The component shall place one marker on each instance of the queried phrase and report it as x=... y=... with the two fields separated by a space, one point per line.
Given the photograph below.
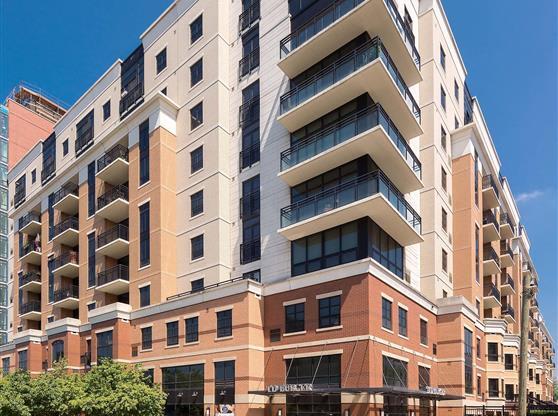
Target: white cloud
x=529 y=196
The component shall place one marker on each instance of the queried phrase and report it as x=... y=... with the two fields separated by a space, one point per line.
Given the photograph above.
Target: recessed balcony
x=492 y=297
x=115 y=280
x=506 y=255
x=371 y=195
x=490 y=227
x=490 y=193
x=491 y=261
x=66 y=232
x=342 y=21
x=30 y=224
x=114 y=242
x=506 y=227
x=113 y=204
x=31 y=253
x=368 y=68
x=66 y=199
x=30 y=282
x=67 y=298
x=507 y=285
x=30 y=310
x=112 y=167
x=508 y=313
x=67 y=264
x=369 y=131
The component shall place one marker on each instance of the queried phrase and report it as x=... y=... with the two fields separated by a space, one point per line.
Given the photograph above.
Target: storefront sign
x=284 y=388
x=435 y=390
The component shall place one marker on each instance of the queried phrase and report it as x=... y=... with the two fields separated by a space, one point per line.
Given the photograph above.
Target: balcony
x=249 y=63
x=30 y=310
x=508 y=313
x=371 y=195
x=343 y=21
x=31 y=254
x=368 y=68
x=490 y=227
x=113 y=204
x=506 y=226
x=66 y=199
x=369 y=131
x=534 y=304
x=250 y=251
x=115 y=280
x=66 y=232
x=131 y=98
x=67 y=298
x=250 y=205
x=249 y=156
x=507 y=285
x=31 y=282
x=114 y=242
x=526 y=268
x=492 y=297
x=506 y=254
x=249 y=16
x=112 y=167
x=490 y=193
x=66 y=264
x=491 y=261
x=30 y=224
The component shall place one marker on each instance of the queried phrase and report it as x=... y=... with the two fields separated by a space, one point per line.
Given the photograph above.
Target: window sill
x=168 y=347
x=388 y=330
x=144 y=267
x=197 y=127
x=197 y=260
x=187 y=344
x=403 y=336
x=329 y=328
x=147 y=350
x=144 y=184
x=223 y=338
x=292 y=334
x=195 y=85
x=197 y=216
x=198 y=40
x=196 y=172
x=424 y=345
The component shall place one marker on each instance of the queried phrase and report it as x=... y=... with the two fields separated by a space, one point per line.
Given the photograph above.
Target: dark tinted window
x=196 y=29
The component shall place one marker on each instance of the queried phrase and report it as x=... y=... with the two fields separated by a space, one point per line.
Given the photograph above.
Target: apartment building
x=277 y=207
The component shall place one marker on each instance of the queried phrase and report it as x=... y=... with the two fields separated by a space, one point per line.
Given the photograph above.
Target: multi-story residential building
x=282 y=206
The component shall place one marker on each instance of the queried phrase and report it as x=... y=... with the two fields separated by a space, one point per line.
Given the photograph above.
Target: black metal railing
x=48 y=171
x=28 y=218
x=250 y=251
x=84 y=141
x=249 y=156
x=249 y=111
x=64 y=191
x=346 y=129
x=249 y=62
x=65 y=258
x=488 y=253
x=28 y=278
x=335 y=12
x=351 y=191
x=508 y=310
x=67 y=224
x=505 y=249
x=250 y=205
x=117 y=152
x=489 y=182
x=344 y=67
x=249 y=16
x=119 y=231
x=131 y=98
x=505 y=219
x=119 y=191
x=66 y=293
x=534 y=303
x=488 y=217
x=31 y=306
x=19 y=197
x=29 y=247
x=507 y=280
x=491 y=290
x=214 y=285
x=118 y=272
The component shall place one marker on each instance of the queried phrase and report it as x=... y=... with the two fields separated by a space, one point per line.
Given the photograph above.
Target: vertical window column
x=91 y=188
x=249 y=120
x=91 y=277
x=145 y=235
x=250 y=249
x=144 y=152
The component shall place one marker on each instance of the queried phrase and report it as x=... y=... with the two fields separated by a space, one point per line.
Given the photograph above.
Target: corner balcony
x=67 y=298
x=492 y=297
x=30 y=310
x=113 y=204
x=30 y=224
x=342 y=21
x=66 y=232
x=506 y=227
x=490 y=227
x=114 y=242
x=507 y=285
x=30 y=282
x=67 y=264
x=368 y=68
x=491 y=261
x=371 y=195
x=66 y=199
x=506 y=254
x=31 y=254
x=115 y=280
x=490 y=193
x=369 y=131
x=508 y=313
x=112 y=167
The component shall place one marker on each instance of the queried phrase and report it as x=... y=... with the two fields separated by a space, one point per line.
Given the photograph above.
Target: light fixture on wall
x=280 y=412
x=207 y=411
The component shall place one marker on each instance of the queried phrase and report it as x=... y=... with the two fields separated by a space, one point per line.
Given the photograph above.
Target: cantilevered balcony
x=534 y=304
x=368 y=68
x=66 y=232
x=342 y=21
x=66 y=264
x=372 y=194
x=115 y=280
x=66 y=199
x=506 y=226
x=113 y=204
x=67 y=297
x=30 y=310
x=526 y=268
x=508 y=313
x=490 y=192
x=506 y=254
x=507 y=285
x=31 y=253
x=492 y=297
x=112 y=167
x=369 y=131
x=491 y=261
x=114 y=242
x=490 y=227
x=30 y=223
x=31 y=282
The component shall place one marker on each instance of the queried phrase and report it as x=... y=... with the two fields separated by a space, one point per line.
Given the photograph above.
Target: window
x=84 y=133
x=476 y=173
x=145 y=296
x=196 y=203
x=394 y=372
x=508 y=361
x=22 y=360
x=196 y=72
x=479 y=387
x=443 y=97
x=106 y=110
x=479 y=347
x=456 y=90
x=147 y=338
x=196 y=159
x=402 y=321
x=444 y=220
x=444 y=294
x=90 y=306
x=224 y=382
x=492 y=351
x=224 y=323
x=250 y=52
x=186 y=379
x=196 y=244
x=65 y=147
x=423 y=332
x=442 y=58
x=34 y=176
x=477 y=258
x=510 y=394
x=530 y=374
x=294 y=318
x=144 y=152
x=444 y=180
x=493 y=387
x=91 y=276
x=172 y=333
x=468 y=360
x=424 y=377
x=329 y=311
x=145 y=255
x=91 y=189
x=249 y=116
x=164 y=91
x=386 y=314
x=192 y=329
x=196 y=116
x=456 y=123
x=444 y=261
x=57 y=350
x=196 y=29
x=443 y=139
x=197 y=285
x=537 y=378
x=161 y=59
x=5 y=365
x=104 y=345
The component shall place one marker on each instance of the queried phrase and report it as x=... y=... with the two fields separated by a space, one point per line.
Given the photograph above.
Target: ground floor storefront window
x=184 y=386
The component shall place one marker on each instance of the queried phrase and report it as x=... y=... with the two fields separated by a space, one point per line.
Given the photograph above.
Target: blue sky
x=509 y=48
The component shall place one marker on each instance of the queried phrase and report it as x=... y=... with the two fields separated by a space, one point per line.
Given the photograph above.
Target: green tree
x=15 y=394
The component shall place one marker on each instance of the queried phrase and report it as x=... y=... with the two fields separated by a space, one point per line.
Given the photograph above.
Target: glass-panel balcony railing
x=351 y=191
x=346 y=129
x=344 y=67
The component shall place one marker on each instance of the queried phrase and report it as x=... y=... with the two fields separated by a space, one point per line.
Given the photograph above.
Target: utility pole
x=527 y=294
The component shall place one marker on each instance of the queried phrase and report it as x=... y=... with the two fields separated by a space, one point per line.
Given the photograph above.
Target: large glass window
x=294 y=318
x=329 y=311
x=192 y=329
x=144 y=152
x=508 y=361
x=104 y=345
x=91 y=189
x=492 y=351
x=22 y=360
x=196 y=246
x=172 y=333
x=85 y=132
x=196 y=29
x=57 y=350
x=394 y=372
x=402 y=321
x=493 y=387
x=91 y=276
x=184 y=386
x=146 y=338
x=386 y=314
x=424 y=377
x=423 y=332
x=196 y=203
x=224 y=323
x=224 y=384
x=145 y=296
x=468 y=364
x=145 y=235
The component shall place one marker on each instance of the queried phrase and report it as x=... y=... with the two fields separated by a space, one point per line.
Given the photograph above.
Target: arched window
x=57 y=350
